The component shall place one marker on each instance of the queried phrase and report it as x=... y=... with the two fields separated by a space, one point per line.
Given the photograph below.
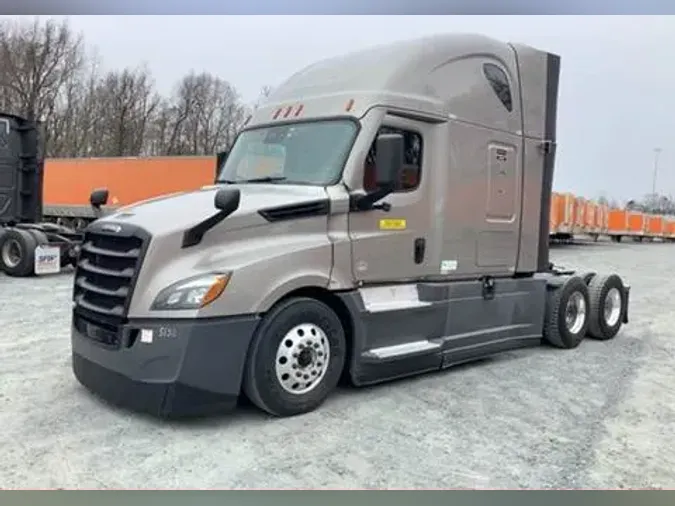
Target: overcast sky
x=617 y=85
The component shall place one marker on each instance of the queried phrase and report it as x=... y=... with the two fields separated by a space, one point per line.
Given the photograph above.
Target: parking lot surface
x=600 y=416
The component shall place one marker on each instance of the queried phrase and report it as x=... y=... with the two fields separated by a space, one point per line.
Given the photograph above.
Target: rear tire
x=296 y=358
x=17 y=253
x=567 y=314
x=587 y=276
x=607 y=306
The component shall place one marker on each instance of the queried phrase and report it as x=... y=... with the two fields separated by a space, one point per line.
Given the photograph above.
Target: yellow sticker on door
x=388 y=224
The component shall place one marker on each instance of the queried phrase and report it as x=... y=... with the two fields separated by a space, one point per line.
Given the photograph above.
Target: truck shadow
x=246 y=412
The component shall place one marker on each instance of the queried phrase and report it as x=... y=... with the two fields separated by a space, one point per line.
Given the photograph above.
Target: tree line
x=48 y=73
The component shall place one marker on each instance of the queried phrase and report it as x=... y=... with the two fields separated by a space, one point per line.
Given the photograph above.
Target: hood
x=177 y=212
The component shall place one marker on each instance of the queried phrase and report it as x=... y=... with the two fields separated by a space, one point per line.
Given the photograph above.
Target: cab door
x=394 y=246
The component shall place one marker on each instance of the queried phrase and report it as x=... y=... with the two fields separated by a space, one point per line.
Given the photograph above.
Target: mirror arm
x=367 y=202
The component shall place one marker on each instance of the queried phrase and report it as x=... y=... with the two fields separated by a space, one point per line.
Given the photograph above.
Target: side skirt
x=405 y=330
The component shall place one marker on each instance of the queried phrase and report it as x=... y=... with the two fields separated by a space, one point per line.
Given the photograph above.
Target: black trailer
x=28 y=245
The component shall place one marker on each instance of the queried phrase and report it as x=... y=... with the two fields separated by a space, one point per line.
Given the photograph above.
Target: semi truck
x=29 y=244
x=384 y=214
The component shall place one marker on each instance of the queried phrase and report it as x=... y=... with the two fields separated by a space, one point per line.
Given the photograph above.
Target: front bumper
x=167 y=368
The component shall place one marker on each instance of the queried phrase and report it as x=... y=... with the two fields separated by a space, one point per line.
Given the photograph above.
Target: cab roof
x=399 y=74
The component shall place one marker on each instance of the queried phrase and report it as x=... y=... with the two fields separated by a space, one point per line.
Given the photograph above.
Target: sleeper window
x=500 y=84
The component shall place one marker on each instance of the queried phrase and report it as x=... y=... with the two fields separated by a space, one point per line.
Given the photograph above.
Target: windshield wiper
x=266 y=179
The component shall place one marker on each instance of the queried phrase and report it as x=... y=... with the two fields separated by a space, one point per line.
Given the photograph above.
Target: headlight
x=191 y=293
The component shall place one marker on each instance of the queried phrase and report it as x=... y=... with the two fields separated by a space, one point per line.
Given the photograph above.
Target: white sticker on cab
x=448 y=266
x=146 y=336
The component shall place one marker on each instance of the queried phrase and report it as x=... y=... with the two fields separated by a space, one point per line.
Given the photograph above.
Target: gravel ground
x=600 y=416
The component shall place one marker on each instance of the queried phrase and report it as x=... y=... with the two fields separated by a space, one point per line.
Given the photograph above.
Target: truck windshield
x=312 y=153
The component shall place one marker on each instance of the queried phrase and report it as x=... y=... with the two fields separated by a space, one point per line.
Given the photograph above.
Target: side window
x=412 y=161
x=500 y=84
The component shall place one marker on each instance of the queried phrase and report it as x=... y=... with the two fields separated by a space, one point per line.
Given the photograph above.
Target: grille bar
x=90 y=248
x=106 y=273
x=87 y=265
x=113 y=311
x=121 y=292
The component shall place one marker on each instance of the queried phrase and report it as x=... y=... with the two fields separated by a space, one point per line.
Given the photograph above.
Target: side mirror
x=389 y=158
x=227 y=200
x=98 y=198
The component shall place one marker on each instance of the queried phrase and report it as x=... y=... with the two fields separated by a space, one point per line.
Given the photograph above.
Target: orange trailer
x=655 y=226
x=617 y=224
x=637 y=224
x=669 y=227
x=590 y=218
x=69 y=182
x=579 y=215
x=602 y=218
x=565 y=213
x=556 y=212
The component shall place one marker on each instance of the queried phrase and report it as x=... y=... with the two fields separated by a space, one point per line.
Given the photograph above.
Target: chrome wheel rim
x=612 y=307
x=575 y=313
x=302 y=359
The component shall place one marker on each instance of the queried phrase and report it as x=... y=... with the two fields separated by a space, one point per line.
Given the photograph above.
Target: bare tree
x=203 y=116
x=125 y=104
x=37 y=60
x=72 y=116
x=48 y=74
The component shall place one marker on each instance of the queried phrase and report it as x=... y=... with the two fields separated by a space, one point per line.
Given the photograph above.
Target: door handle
x=419 y=249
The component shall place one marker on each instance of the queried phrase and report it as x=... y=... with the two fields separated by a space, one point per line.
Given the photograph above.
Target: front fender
x=266 y=263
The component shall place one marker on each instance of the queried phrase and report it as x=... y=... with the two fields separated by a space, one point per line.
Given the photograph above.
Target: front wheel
x=296 y=357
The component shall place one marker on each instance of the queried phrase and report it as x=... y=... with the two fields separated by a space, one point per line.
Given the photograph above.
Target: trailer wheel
x=607 y=303
x=17 y=253
x=567 y=314
x=296 y=358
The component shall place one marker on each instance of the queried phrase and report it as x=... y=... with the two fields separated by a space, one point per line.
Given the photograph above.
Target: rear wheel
x=296 y=357
x=17 y=253
x=587 y=276
x=567 y=314
x=607 y=303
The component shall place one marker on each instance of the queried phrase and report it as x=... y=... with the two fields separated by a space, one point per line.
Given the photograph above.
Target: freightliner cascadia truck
x=385 y=214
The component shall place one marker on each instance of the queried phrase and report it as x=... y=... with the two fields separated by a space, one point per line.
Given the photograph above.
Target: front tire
x=296 y=358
